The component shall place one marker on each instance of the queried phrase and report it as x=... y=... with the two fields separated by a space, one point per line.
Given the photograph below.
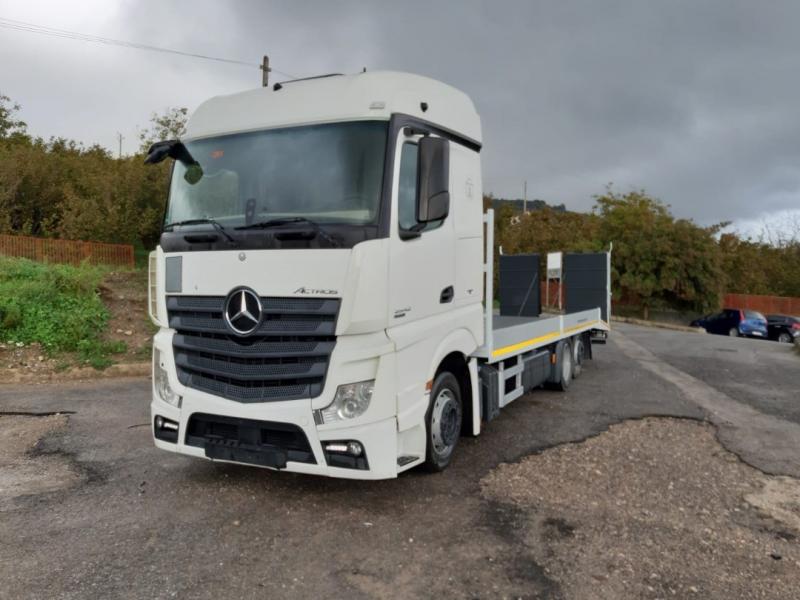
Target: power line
x=84 y=37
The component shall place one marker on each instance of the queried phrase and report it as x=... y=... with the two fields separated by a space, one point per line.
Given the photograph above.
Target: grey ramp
x=586 y=282
x=519 y=285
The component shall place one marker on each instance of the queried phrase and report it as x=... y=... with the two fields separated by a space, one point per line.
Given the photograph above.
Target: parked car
x=783 y=328
x=734 y=322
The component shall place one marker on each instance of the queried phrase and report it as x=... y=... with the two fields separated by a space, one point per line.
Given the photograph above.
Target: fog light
x=339 y=447
x=352 y=448
x=165 y=430
x=346 y=454
x=355 y=448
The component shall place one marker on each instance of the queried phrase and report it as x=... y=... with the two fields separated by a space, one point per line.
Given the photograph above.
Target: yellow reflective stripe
x=536 y=340
x=511 y=348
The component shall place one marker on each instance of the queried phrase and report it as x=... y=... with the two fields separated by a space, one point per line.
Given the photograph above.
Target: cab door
x=422 y=263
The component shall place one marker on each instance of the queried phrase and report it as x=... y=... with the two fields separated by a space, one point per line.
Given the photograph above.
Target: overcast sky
x=698 y=102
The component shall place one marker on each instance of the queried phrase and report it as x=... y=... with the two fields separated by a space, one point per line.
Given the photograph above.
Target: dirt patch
x=124 y=294
x=30 y=360
x=125 y=297
x=655 y=509
x=23 y=470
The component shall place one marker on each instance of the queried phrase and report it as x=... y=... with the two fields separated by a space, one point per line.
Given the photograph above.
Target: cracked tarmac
x=132 y=521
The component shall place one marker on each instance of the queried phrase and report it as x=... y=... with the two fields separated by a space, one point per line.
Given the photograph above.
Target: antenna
x=525 y=200
x=265 y=71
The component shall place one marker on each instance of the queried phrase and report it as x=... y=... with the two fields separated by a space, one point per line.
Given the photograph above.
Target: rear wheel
x=578 y=352
x=733 y=332
x=566 y=364
x=785 y=338
x=443 y=422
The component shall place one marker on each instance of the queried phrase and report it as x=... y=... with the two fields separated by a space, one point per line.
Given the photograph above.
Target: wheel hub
x=444 y=421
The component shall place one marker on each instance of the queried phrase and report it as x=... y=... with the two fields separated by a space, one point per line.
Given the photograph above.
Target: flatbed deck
x=514 y=335
x=507 y=337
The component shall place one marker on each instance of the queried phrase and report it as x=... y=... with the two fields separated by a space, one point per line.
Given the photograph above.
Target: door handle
x=446 y=295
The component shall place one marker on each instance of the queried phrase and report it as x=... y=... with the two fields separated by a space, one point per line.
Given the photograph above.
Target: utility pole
x=265 y=71
x=120 y=137
x=525 y=199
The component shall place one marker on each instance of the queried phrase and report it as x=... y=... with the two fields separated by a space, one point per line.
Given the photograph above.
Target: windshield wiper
x=217 y=225
x=288 y=221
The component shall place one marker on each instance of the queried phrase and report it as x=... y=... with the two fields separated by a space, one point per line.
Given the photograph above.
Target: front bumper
x=377 y=434
x=755 y=333
x=378 y=439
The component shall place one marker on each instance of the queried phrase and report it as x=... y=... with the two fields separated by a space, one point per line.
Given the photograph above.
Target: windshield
x=326 y=173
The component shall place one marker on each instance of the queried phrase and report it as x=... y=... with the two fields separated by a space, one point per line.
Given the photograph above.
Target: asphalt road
x=135 y=522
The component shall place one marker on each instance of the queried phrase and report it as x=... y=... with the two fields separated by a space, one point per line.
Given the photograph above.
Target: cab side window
x=407 y=187
x=407 y=192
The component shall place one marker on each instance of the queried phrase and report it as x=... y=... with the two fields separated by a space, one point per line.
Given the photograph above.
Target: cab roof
x=369 y=95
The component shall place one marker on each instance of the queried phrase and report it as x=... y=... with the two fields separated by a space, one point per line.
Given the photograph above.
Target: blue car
x=734 y=322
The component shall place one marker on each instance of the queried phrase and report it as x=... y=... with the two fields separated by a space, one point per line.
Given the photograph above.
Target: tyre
x=565 y=367
x=578 y=354
x=785 y=338
x=443 y=421
x=733 y=332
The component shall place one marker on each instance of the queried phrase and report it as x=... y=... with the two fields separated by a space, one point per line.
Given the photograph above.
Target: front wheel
x=733 y=332
x=785 y=338
x=443 y=422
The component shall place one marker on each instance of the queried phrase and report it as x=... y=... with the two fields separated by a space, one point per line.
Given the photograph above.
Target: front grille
x=252 y=437
x=286 y=358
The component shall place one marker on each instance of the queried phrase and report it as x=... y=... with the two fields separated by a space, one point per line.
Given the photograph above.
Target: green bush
x=57 y=306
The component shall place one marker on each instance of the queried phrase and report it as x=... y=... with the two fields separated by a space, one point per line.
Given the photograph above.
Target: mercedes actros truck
x=324 y=283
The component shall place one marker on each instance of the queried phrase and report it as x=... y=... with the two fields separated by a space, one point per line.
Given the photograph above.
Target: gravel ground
x=654 y=508
x=540 y=505
x=24 y=470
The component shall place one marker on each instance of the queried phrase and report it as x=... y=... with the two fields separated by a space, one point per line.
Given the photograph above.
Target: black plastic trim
x=264 y=443
x=286 y=358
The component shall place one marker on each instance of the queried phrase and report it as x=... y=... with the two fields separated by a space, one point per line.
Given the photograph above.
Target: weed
x=57 y=306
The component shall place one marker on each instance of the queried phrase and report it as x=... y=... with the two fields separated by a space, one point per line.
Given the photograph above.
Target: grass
x=57 y=306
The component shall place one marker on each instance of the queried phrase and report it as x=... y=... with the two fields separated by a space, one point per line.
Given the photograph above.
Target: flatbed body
x=518 y=335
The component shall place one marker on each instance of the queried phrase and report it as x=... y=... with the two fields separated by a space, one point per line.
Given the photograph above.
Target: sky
x=698 y=103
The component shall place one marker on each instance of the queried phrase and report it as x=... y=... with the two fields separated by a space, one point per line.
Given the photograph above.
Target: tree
x=10 y=125
x=169 y=125
x=658 y=260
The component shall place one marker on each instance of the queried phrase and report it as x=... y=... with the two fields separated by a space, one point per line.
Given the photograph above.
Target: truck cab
x=318 y=285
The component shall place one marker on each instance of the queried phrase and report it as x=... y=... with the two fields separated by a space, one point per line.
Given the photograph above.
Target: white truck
x=323 y=284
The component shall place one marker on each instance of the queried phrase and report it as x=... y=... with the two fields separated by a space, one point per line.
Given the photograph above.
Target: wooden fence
x=66 y=251
x=768 y=305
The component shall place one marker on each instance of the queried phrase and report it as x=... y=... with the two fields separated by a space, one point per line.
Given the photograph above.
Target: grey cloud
x=696 y=102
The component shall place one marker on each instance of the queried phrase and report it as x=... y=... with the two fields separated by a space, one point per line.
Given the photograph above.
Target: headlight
x=161 y=381
x=351 y=401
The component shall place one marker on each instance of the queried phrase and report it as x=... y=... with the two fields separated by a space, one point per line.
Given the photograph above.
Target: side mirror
x=158 y=152
x=433 y=179
x=170 y=148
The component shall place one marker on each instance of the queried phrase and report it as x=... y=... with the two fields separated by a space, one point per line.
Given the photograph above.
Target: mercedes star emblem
x=243 y=311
